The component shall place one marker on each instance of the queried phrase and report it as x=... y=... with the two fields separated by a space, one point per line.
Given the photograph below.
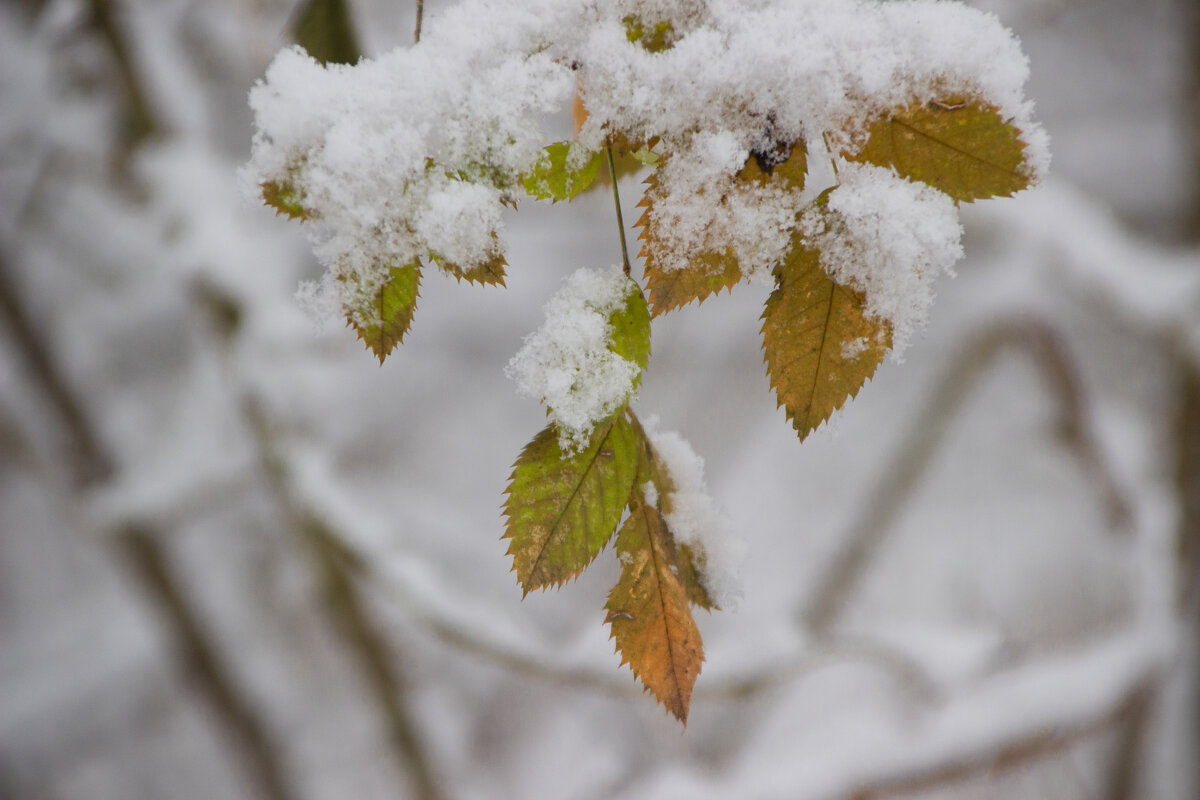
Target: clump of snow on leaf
x=449 y=127
x=696 y=521
x=568 y=363
x=887 y=237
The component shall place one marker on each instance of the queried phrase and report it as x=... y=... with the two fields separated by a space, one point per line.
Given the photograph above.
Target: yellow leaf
x=489 y=273
x=390 y=313
x=648 y=610
x=709 y=272
x=962 y=147
x=820 y=345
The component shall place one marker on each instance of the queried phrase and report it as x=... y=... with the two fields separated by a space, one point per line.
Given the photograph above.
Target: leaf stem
x=612 y=172
x=420 y=16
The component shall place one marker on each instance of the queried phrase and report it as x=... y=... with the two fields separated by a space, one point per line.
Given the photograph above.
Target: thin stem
x=420 y=16
x=612 y=172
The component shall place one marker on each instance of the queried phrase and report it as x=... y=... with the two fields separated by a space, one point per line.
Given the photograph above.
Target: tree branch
x=139 y=546
x=1005 y=757
x=387 y=681
x=1043 y=346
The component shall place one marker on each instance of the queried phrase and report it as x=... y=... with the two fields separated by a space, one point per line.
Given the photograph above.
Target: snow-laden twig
x=1044 y=347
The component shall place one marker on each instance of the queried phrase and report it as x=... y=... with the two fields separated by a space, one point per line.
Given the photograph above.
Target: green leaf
x=820 y=345
x=648 y=610
x=631 y=330
x=565 y=170
x=562 y=509
x=646 y=156
x=963 y=147
x=285 y=198
x=390 y=313
x=654 y=38
x=324 y=29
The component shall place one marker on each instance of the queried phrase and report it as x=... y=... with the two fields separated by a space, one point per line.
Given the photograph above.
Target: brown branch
x=1187 y=479
x=1043 y=346
x=903 y=669
x=86 y=457
x=139 y=546
x=196 y=654
x=420 y=18
x=140 y=121
x=994 y=760
x=386 y=680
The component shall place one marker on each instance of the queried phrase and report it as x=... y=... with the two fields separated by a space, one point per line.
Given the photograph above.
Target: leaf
x=672 y=289
x=391 y=311
x=631 y=330
x=654 y=38
x=490 y=273
x=648 y=610
x=324 y=29
x=786 y=165
x=820 y=346
x=561 y=509
x=691 y=567
x=565 y=170
x=709 y=272
x=962 y=147
x=285 y=198
x=691 y=564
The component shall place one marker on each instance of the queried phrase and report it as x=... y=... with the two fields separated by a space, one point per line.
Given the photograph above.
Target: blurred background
x=239 y=559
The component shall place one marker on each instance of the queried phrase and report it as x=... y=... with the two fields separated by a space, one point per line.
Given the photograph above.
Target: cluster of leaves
x=563 y=508
x=821 y=343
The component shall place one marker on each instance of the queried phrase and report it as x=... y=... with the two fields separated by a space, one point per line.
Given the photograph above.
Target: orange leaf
x=648 y=610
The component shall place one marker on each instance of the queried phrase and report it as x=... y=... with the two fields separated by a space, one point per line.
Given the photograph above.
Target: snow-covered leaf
x=285 y=198
x=382 y=326
x=489 y=273
x=565 y=170
x=631 y=331
x=709 y=272
x=562 y=508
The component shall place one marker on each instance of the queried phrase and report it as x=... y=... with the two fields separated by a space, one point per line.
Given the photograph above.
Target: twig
x=140 y=547
x=1001 y=758
x=612 y=172
x=1123 y=774
x=89 y=462
x=420 y=17
x=1044 y=347
x=1187 y=479
x=895 y=663
x=388 y=683
x=196 y=654
x=140 y=120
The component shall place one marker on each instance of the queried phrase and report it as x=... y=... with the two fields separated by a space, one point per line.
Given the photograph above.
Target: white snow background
x=1009 y=634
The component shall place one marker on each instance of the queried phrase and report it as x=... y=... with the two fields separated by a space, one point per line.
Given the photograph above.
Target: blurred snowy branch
x=239 y=560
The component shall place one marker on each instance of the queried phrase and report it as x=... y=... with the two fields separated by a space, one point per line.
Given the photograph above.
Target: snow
x=697 y=522
x=414 y=153
x=888 y=237
x=568 y=363
x=999 y=606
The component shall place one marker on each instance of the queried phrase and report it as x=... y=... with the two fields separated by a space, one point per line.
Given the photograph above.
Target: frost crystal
x=697 y=522
x=568 y=364
x=887 y=237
